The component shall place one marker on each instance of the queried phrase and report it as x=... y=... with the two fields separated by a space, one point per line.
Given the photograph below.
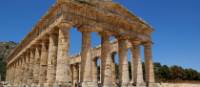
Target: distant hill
x=5 y=49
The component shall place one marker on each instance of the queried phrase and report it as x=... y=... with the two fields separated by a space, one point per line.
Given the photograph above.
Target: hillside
x=5 y=49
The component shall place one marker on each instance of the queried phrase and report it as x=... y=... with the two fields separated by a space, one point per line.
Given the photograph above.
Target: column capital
x=105 y=33
x=136 y=42
x=119 y=38
x=65 y=25
x=148 y=44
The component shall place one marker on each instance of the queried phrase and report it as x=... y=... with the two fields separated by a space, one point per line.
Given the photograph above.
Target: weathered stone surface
x=43 y=56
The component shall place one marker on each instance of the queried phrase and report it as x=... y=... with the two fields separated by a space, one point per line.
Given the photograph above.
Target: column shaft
x=52 y=55
x=36 y=65
x=43 y=63
x=94 y=70
x=106 y=62
x=149 y=68
x=30 y=72
x=86 y=60
x=137 y=72
x=26 y=69
x=63 y=72
x=123 y=62
x=113 y=69
x=75 y=75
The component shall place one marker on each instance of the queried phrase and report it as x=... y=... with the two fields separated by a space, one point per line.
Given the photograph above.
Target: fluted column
x=26 y=68
x=113 y=68
x=106 y=61
x=75 y=75
x=13 y=75
x=86 y=60
x=43 y=63
x=16 y=73
x=94 y=70
x=23 y=69
x=63 y=73
x=149 y=67
x=123 y=62
x=137 y=72
x=30 y=72
x=52 y=55
x=36 y=65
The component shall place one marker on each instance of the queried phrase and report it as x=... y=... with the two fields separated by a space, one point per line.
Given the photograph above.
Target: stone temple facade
x=42 y=58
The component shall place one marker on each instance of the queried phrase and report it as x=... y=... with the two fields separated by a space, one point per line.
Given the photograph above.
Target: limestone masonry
x=42 y=58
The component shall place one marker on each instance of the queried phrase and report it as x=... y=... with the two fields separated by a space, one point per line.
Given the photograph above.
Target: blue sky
x=176 y=24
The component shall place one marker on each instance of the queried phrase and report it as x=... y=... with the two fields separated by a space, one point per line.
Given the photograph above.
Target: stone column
x=79 y=73
x=75 y=75
x=16 y=73
x=13 y=75
x=86 y=60
x=30 y=72
x=36 y=65
x=106 y=61
x=113 y=69
x=26 y=68
x=7 y=73
x=63 y=73
x=52 y=55
x=149 y=67
x=43 y=63
x=137 y=72
x=123 y=62
x=94 y=70
x=23 y=69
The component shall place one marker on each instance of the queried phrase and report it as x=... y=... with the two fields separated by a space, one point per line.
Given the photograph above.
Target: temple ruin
x=42 y=58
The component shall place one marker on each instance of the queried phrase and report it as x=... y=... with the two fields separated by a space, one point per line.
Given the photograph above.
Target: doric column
x=16 y=73
x=13 y=75
x=52 y=55
x=86 y=60
x=63 y=73
x=106 y=61
x=149 y=67
x=21 y=71
x=137 y=72
x=113 y=69
x=43 y=63
x=75 y=75
x=30 y=72
x=123 y=62
x=94 y=70
x=36 y=65
x=26 y=68
x=23 y=68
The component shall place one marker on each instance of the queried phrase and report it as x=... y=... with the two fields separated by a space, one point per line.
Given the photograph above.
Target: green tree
x=177 y=72
x=2 y=69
